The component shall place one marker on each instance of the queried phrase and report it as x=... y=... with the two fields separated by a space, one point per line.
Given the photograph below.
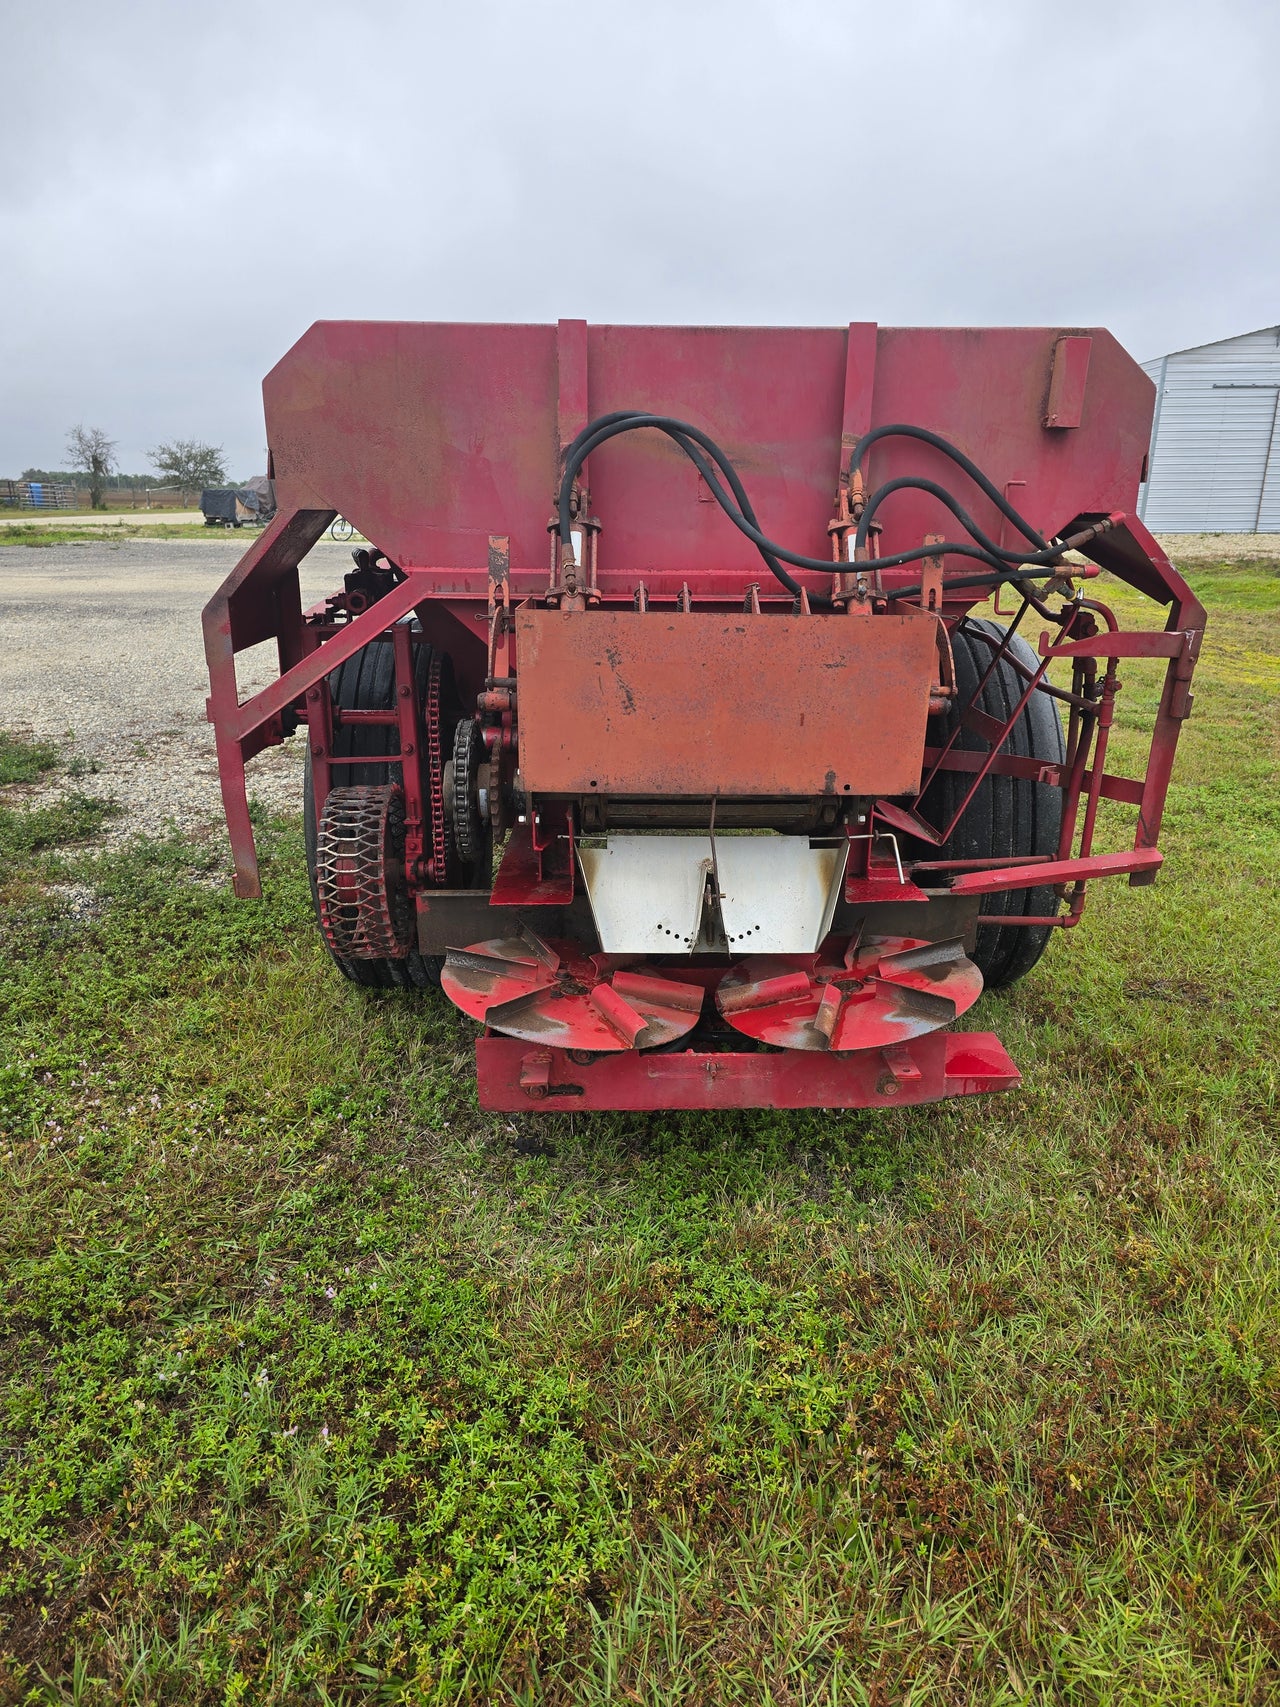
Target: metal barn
x=1214 y=465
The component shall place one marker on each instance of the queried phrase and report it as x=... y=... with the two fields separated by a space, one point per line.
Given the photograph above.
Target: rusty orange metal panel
x=657 y=703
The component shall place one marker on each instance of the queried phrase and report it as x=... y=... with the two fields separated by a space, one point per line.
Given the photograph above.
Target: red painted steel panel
x=1067 y=382
x=613 y=702
x=771 y=397
x=430 y=437
x=513 y=1076
x=987 y=392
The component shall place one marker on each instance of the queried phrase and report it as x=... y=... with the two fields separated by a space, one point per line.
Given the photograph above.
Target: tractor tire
x=1008 y=817
x=367 y=682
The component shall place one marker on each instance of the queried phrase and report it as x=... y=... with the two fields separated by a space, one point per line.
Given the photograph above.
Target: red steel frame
x=443 y=444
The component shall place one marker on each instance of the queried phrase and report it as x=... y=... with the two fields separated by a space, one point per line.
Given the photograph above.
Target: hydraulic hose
x=744 y=516
x=900 y=429
x=917 y=483
x=693 y=442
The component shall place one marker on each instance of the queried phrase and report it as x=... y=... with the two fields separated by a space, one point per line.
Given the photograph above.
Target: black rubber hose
x=704 y=468
x=607 y=427
x=681 y=432
x=900 y=429
x=682 y=429
x=917 y=483
x=625 y=420
x=897 y=429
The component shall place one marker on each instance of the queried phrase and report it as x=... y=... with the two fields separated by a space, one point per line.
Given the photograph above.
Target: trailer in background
x=233 y=506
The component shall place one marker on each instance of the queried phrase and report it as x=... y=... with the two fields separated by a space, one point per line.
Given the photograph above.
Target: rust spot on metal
x=628 y=698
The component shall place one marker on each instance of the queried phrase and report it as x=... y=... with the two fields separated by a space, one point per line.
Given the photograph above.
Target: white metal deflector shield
x=704 y=894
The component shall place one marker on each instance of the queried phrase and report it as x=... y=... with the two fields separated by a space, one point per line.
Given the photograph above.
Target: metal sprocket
x=361 y=894
x=468 y=754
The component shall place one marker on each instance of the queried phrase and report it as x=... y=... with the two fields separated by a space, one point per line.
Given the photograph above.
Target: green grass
x=25 y=761
x=75 y=818
x=25 y=830
x=41 y=534
x=319 y=1385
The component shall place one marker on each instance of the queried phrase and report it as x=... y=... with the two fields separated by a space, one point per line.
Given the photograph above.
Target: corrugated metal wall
x=1215 y=441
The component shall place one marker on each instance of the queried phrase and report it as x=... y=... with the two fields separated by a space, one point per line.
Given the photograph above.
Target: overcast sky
x=184 y=189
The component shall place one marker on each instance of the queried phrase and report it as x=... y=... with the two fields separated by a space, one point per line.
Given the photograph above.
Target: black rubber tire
x=367 y=682
x=1008 y=816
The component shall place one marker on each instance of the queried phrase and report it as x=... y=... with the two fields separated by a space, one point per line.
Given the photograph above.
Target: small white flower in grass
x=324 y=1431
x=331 y=1292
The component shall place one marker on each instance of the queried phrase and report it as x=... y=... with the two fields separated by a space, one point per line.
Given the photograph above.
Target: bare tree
x=190 y=464
x=92 y=453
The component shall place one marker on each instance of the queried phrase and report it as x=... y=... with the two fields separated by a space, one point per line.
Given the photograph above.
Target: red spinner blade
x=554 y=993
x=890 y=990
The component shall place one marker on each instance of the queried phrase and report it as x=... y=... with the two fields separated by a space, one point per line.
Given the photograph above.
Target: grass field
x=321 y=1386
x=107 y=533
x=103 y=533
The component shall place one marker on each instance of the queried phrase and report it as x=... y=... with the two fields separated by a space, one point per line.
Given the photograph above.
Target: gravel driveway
x=101 y=651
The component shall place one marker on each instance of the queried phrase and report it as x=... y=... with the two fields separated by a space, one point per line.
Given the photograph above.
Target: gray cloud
x=185 y=192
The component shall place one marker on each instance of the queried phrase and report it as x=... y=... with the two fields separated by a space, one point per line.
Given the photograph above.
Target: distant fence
x=58 y=495
x=38 y=495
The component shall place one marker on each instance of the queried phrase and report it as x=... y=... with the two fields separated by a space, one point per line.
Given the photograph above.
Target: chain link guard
x=361 y=895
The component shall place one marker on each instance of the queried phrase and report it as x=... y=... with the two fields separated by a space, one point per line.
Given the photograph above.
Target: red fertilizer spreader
x=714 y=713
